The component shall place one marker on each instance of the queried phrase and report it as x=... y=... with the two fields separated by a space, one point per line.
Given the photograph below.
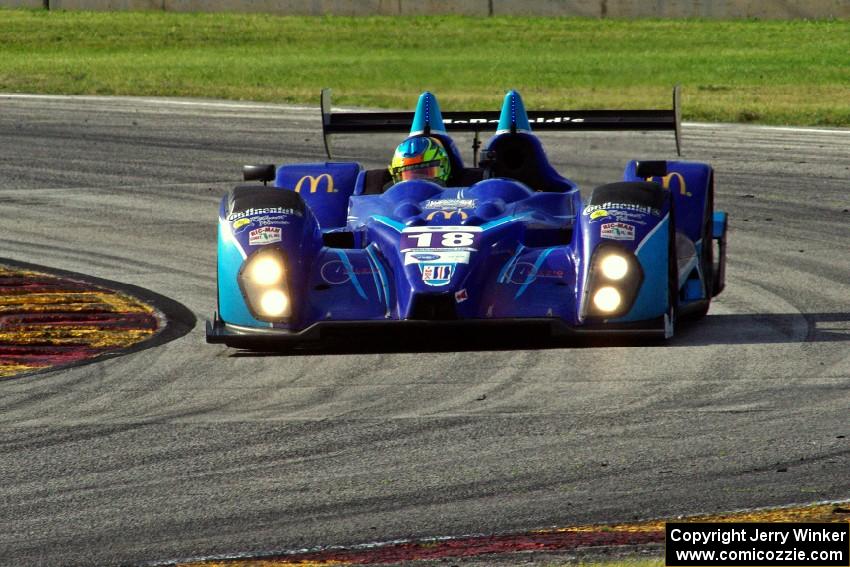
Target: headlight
x=607 y=299
x=266 y=270
x=613 y=281
x=263 y=281
x=274 y=303
x=614 y=267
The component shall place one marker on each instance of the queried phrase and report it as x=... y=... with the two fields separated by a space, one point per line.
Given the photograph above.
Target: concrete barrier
x=289 y=7
x=716 y=9
x=726 y=9
x=21 y=3
x=107 y=5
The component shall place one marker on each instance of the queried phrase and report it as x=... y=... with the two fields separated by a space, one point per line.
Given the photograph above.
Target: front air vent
x=434 y=308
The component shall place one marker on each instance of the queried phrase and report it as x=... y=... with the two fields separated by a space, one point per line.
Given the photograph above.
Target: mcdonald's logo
x=447 y=214
x=667 y=180
x=315 y=182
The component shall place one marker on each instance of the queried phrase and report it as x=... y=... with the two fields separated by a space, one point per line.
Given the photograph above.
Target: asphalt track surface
x=188 y=449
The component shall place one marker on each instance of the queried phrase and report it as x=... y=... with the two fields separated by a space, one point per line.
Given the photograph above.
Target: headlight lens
x=614 y=267
x=263 y=281
x=274 y=303
x=607 y=299
x=266 y=270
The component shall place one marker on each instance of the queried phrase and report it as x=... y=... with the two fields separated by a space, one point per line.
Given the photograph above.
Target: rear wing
x=479 y=121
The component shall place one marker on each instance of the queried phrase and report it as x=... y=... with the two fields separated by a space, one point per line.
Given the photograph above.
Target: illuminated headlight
x=266 y=270
x=614 y=267
x=607 y=299
x=274 y=303
x=614 y=279
x=263 y=280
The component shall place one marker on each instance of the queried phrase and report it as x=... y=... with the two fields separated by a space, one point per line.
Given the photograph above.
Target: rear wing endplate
x=479 y=121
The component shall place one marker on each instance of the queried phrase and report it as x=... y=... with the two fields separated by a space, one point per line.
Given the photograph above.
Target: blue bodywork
x=495 y=249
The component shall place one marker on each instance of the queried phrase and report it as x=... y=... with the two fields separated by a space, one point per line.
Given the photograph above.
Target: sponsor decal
x=240 y=223
x=590 y=209
x=525 y=274
x=625 y=216
x=461 y=296
x=448 y=257
x=437 y=274
x=447 y=214
x=264 y=235
x=425 y=257
x=315 y=183
x=667 y=182
x=266 y=220
x=264 y=211
x=598 y=214
x=336 y=273
x=617 y=231
x=450 y=204
x=531 y=120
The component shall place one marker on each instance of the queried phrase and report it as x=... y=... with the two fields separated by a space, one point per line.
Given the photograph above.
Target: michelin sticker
x=264 y=235
x=452 y=257
x=617 y=231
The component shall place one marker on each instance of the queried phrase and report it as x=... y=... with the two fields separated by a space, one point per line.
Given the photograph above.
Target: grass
x=776 y=72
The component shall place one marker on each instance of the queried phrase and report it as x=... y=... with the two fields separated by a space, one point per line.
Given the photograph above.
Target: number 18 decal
x=440 y=237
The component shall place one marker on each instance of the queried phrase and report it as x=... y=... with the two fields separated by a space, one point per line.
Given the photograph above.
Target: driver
x=421 y=157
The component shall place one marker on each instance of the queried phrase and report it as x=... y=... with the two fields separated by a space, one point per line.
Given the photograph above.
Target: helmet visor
x=427 y=170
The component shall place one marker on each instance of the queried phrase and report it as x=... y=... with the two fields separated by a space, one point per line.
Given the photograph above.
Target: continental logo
x=264 y=211
x=667 y=182
x=316 y=182
x=447 y=214
x=591 y=209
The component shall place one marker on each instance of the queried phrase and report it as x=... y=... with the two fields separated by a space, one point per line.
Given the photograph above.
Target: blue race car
x=331 y=247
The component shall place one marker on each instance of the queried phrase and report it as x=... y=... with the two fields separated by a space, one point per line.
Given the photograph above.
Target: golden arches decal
x=667 y=182
x=315 y=182
x=447 y=214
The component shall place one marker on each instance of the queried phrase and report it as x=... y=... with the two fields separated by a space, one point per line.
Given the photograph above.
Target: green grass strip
x=774 y=72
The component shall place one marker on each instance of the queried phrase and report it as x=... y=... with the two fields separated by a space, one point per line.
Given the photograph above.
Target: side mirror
x=264 y=173
x=647 y=169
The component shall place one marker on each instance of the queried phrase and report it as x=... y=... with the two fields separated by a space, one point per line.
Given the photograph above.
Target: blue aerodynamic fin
x=428 y=119
x=513 y=118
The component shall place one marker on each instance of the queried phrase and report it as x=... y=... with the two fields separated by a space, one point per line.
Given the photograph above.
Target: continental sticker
x=617 y=231
x=264 y=235
x=590 y=209
x=264 y=211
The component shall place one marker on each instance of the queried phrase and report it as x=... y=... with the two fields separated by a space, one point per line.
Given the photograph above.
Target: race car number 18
x=449 y=239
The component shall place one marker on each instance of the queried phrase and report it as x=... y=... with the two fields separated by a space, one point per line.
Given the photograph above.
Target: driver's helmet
x=420 y=157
